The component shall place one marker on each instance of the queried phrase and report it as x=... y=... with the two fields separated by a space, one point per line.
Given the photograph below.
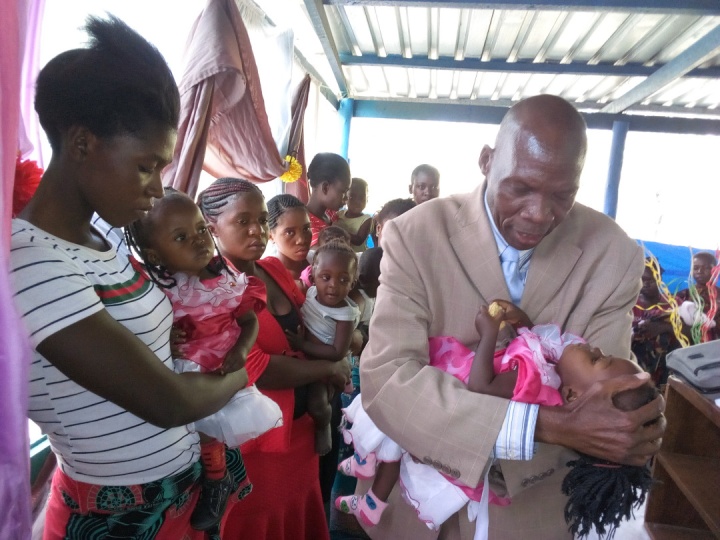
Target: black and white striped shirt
x=56 y=284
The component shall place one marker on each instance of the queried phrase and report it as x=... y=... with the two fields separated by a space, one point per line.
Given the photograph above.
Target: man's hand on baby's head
x=593 y=425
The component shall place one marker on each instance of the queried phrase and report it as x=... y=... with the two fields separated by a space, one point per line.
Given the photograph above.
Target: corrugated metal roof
x=478 y=55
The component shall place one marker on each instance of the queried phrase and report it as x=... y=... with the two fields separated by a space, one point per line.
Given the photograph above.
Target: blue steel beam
x=346 y=112
x=320 y=23
x=473 y=64
x=485 y=114
x=676 y=7
x=617 y=149
x=704 y=48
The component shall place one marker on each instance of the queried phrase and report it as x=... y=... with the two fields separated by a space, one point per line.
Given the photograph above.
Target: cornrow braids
x=339 y=247
x=278 y=205
x=220 y=193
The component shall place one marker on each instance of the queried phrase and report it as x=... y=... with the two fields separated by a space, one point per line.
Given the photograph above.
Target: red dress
x=317 y=225
x=285 y=503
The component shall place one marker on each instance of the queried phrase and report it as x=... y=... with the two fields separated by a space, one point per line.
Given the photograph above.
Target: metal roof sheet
x=653 y=56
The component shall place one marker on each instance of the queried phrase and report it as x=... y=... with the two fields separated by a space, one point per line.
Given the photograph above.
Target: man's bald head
x=534 y=170
x=549 y=122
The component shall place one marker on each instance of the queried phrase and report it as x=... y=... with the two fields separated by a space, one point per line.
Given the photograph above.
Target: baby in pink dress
x=541 y=365
x=215 y=325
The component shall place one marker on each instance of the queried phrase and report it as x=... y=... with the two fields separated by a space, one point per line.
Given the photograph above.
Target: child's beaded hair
x=327 y=167
x=333 y=232
x=220 y=193
x=137 y=238
x=337 y=247
x=280 y=204
x=602 y=494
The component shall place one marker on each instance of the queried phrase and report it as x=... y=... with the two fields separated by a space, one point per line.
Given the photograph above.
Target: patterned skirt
x=157 y=510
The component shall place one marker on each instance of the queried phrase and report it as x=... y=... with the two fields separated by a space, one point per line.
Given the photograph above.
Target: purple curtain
x=296 y=142
x=224 y=128
x=14 y=354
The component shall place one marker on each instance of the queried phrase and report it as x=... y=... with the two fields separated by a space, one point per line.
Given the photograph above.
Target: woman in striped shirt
x=101 y=382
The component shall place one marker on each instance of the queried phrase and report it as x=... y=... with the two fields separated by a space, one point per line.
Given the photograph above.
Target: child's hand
x=296 y=340
x=177 y=339
x=514 y=315
x=487 y=324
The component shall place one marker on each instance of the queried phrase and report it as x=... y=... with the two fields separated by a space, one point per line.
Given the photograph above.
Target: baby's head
x=333 y=272
x=369 y=270
x=173 y=236
x=357 y=196
x=333 y=232
x=581 y=365
x=390 y=210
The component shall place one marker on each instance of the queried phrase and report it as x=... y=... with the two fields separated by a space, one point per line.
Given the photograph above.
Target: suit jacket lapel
x=552 y=262
x=475 y=247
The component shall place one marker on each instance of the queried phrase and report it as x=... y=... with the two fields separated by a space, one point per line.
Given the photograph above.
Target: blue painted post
x=617 y=149
x=346 y=111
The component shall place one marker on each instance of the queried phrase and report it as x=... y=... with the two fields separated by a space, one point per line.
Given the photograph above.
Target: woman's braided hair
x=220 y=193
x=278 y=205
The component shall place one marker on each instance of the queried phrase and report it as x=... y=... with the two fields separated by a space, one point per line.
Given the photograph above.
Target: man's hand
x=593 y=425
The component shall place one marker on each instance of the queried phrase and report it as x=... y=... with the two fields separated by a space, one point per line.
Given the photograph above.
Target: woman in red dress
x=282 y=464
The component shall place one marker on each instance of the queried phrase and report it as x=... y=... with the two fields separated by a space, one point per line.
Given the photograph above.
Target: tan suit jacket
x=440 y=264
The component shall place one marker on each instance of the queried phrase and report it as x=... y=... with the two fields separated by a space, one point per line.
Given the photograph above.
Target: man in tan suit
x=442 y=261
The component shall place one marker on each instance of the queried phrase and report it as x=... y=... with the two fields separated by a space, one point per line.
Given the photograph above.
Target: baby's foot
x=323 y=440
x=367 y=508
x=357 y=467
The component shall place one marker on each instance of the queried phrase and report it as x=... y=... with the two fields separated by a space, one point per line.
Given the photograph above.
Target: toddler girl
x=330 y=317
x=333 y=232
x=539 y=366
x=214 y=310
x=329 y=178
x=352 y=218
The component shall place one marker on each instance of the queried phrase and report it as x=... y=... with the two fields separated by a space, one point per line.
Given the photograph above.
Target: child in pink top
x=215 y=325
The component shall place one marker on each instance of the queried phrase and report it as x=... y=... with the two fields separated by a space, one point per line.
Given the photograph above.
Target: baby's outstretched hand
x=489 y=319
x=513 y=314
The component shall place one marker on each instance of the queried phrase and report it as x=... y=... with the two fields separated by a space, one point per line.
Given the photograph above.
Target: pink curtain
x=14 y=357
x=224 y=128
x=296 y=143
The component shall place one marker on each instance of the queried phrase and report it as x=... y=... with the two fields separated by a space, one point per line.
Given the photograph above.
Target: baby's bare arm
x=482 y=375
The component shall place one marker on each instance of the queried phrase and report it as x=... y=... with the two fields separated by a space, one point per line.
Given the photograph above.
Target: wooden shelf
x=698 y=479
x=684 y=502
x=668 y=532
